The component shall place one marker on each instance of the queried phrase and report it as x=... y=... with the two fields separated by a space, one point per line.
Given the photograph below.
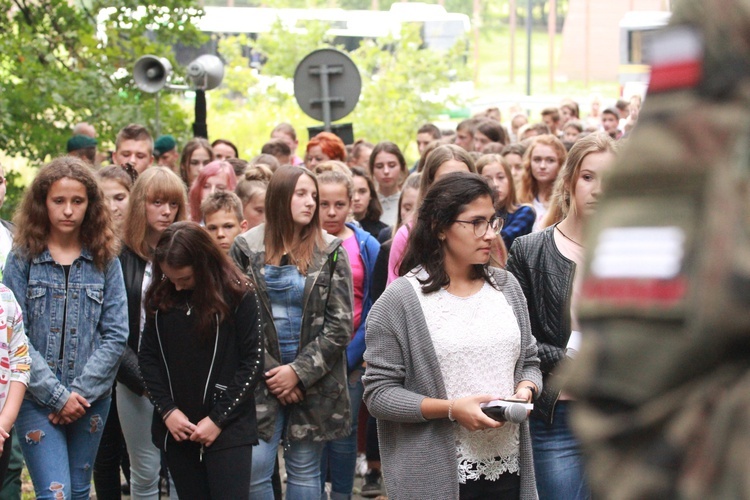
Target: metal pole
x=158 y=121
x=326 y=97
x=512 y=41
x=586 y=45
x=551 y=31
x=477 y=19
x=528 y=47
x=200 y=128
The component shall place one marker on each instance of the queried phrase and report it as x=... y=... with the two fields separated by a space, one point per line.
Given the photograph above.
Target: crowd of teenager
x=182 y=316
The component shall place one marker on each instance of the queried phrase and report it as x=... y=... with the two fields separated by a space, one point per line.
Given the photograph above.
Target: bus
x=635 y=29
x=440 y=29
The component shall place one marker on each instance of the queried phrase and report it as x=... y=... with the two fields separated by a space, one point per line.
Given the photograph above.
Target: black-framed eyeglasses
x=481 y=225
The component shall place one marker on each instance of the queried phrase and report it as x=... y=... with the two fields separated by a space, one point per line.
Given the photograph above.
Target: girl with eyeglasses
x=451 y=333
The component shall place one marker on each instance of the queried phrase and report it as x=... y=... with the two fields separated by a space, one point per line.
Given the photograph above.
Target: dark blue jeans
x=557 y=458
x=340 y=455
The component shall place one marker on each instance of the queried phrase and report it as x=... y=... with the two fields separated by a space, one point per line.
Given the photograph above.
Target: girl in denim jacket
x=64 y=271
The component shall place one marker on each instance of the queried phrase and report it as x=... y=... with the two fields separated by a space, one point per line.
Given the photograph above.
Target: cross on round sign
x=327 y=85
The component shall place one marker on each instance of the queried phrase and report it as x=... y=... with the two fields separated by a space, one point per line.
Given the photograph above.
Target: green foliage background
x=60 y=66
x=56 y=70
x=400 y=87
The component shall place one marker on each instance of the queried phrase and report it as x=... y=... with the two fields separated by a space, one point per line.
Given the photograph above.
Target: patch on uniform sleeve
x=676 y=58
x=638 y=266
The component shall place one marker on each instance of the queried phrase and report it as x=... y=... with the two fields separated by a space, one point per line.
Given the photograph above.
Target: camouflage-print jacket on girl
x=326 y=329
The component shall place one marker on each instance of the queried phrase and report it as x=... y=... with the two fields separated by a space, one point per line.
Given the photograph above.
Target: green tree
x=284 y=49
x=402 y=88
x=61 y=63
x=249 y=104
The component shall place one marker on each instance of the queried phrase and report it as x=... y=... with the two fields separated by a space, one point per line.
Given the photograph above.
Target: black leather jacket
x=133 y=269
x=546 y=278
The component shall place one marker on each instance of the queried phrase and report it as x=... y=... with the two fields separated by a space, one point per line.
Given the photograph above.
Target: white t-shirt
x=390 y=208
x=541 y=211
x=146 y=282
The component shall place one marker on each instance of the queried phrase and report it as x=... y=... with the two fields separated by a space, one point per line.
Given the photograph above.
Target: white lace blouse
x=477 y=341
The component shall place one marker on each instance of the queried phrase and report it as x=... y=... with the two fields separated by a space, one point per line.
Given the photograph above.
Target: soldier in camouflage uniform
x=663 y=377
x=323 y=410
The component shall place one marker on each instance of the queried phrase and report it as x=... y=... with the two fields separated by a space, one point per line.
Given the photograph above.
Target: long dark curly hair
x=219 y=285
x=444 y=201
x=32 y=220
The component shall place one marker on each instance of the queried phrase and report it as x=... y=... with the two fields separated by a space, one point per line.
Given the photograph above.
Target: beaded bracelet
x=450 y=411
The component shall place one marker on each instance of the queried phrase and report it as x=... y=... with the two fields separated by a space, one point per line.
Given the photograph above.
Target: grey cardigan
x=419 y=455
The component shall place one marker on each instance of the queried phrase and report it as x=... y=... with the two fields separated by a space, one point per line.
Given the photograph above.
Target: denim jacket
x=96 y=326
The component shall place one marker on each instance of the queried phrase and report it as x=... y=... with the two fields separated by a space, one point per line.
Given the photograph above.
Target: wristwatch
x=533 y=391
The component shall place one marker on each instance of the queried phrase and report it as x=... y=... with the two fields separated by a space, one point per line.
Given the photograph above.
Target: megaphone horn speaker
x=150 y=73
x=207 y=72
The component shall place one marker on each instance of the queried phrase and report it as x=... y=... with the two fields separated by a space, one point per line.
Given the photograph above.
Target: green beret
x=80 y=142
x=163 y=144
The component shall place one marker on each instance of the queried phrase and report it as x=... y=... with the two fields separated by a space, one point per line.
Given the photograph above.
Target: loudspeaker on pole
x=207 y=72
x=151 y=73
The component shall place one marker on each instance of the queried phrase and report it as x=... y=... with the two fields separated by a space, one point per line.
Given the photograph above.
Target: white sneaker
x=361 y=467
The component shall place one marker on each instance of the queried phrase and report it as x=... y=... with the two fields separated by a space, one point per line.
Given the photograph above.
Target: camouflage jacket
x=662 y=377
x=324 y=414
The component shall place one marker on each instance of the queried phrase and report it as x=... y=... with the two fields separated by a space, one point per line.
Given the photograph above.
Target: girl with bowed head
x=323 y=147
x=201 y=357
x=252 y=192
x=116 y=183
x=366 y=207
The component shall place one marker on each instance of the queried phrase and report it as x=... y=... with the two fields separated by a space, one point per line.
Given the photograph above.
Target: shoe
x=373 y=484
